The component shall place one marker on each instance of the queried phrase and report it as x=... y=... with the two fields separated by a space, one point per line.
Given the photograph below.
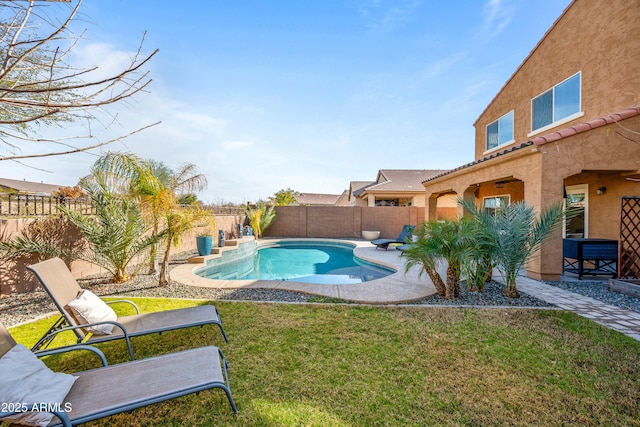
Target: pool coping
x=396 y=288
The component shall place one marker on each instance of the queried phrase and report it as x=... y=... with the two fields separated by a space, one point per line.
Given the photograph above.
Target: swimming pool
x=318 y=262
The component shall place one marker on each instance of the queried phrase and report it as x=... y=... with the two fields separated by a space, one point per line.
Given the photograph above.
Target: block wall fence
x=291 y=221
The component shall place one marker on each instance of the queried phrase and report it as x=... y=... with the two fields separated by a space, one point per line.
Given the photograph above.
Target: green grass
x=337 y=365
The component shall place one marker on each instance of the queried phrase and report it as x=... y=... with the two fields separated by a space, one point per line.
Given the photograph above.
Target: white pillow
x=87 y=307
x=25 y=380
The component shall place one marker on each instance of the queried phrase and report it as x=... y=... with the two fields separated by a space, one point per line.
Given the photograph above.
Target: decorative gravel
x=491 y=296
x=19 y=308
x=601 y=292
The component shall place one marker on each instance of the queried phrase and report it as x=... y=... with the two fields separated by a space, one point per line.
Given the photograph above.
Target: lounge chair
x=404 y=235
x=63 y=288
x=103 y=391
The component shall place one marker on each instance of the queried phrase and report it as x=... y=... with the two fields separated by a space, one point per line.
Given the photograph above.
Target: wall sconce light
x=601 y=190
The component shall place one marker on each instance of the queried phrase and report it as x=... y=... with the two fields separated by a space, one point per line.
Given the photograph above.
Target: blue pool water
x=310 y=262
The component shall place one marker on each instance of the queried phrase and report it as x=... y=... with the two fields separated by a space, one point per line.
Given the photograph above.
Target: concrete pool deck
x=396 y=288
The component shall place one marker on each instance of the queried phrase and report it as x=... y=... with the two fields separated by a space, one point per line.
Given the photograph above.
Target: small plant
x=205 y=222
x=260 y=217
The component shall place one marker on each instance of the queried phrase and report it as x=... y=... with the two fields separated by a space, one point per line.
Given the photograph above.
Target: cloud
x=386 y=16
x=497 y=15
x=444 y=65
x=235 y=145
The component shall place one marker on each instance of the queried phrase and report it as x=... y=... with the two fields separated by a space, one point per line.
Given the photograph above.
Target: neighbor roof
x=402 y=180
x=27 y=186
x=317 y=199
x=357 y=187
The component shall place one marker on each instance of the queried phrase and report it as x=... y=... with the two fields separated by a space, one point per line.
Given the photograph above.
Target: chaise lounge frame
x=62 y=287
x=114 y=389
x=404 y=235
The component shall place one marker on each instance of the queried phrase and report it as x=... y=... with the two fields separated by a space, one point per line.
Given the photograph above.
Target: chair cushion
x=26 y=381
x=87 y=307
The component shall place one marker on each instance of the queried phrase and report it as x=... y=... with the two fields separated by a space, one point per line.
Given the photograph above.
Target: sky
x=307 y=95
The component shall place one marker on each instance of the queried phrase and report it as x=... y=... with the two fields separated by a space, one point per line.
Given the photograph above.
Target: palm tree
x=442 y=241
x=517 y=233
x=117 y=234
x=479 y=257
x=154 y=185
x=425 y=254
x=160 y=191
x=178 y=222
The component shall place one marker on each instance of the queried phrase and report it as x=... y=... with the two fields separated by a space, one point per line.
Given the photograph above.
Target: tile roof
x=409 y=180
x=358 y=187
x=317 y=199
x=583 y=127
x=553 y=136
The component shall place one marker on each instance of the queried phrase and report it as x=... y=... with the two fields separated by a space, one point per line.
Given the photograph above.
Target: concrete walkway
x=402 y=287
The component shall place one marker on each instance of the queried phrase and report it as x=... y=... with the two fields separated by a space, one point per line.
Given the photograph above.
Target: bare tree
x=39 y=88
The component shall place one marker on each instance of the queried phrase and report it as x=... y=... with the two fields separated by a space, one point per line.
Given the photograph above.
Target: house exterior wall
x=599 y=38
x=404 y=198
x=601 y=157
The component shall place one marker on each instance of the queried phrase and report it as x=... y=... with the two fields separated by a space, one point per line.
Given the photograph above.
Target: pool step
x=216 y=252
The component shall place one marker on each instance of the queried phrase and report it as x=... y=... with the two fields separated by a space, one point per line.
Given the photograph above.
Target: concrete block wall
x=14 y=277
x=342 y=222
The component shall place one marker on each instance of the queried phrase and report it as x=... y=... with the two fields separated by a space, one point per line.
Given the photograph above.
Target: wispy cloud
x=385 y=15
x=497 y=15
x=443 y=65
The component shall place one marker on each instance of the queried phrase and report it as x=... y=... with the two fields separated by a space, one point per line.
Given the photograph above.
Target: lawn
x=338 y=365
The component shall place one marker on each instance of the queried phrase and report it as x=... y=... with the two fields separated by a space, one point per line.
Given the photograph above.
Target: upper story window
x=560 y=102
x=500 y=132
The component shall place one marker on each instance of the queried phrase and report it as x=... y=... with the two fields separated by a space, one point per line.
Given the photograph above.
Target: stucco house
x=565 y=126
x=392 y=187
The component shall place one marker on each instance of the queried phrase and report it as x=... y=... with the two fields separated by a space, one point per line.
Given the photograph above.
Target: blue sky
x=309 y=95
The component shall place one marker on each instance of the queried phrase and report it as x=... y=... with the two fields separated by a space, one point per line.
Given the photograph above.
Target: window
x=578 y=199
x=500 y=132
x=492 y=204
x=559 y=102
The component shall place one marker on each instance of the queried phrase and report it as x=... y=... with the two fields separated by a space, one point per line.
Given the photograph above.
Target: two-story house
x=565 y=126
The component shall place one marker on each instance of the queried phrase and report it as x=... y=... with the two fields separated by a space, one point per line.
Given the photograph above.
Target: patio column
x=431 y=208
x=371 y=200
x=542 y=192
